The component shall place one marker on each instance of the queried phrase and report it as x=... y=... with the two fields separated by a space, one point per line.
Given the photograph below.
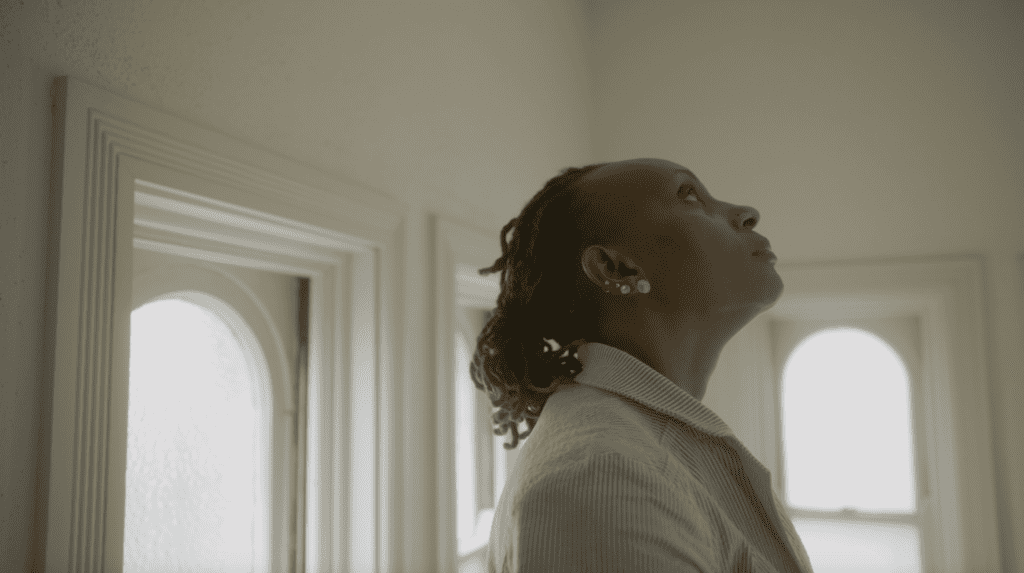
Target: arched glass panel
x=191 y=493
x=846 y=425
x=847 y=444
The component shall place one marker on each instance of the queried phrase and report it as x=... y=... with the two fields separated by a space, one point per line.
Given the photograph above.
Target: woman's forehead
x=632 y=175
x=635 y=184
x=622 y=194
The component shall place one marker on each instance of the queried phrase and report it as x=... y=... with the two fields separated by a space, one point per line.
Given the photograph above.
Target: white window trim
x=460 y=251
x=959 y=521
x=294 y=219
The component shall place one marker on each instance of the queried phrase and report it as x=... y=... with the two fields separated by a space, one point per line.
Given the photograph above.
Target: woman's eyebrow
x=692 y=174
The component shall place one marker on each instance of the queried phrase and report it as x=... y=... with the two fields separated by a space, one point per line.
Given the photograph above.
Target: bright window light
x=190 y=479
x=473 y=524
x=836 y=547
x=846 y=420
x=847 y=444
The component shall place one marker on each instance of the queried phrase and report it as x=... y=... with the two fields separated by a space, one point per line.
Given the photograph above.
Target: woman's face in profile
x=696 y=250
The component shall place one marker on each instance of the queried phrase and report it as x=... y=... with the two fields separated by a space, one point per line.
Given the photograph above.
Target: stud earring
x=642 y=285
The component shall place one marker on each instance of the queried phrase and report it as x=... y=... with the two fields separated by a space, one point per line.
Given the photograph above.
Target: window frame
x=787 y=337
x=957 y=509
x=281 y=216
x=460 y=250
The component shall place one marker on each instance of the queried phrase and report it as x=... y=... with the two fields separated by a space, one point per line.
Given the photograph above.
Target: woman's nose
x=746 y=217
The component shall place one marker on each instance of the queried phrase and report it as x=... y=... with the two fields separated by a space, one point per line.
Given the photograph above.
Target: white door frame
x=125 y=174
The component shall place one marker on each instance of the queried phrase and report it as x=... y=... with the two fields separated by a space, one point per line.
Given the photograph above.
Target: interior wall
x=859 y=130
x=454 y=107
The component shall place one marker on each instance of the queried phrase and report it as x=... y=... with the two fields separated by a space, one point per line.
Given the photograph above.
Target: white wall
x=859 y=130
x=463 y=108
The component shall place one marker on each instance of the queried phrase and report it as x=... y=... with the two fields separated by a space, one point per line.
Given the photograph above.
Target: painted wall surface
x=859 y=130
x=458 y=107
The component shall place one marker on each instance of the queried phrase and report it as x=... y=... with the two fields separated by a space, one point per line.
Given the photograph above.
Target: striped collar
x=617 y=371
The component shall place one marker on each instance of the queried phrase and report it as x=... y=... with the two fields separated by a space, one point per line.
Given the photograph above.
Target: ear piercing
x=641 y=285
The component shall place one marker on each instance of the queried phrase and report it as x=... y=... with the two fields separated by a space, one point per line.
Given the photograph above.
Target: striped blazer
x=626 y=471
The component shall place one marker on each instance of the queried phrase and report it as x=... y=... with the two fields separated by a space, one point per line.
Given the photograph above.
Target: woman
x=621 y=285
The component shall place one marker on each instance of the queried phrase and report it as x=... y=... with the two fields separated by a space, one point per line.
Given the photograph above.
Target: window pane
x=472 y=524
x=838 y=547
x=484 y=448
x=191 y=495
x=846 y=425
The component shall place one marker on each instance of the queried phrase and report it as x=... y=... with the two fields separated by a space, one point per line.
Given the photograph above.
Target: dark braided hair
x=544 y=296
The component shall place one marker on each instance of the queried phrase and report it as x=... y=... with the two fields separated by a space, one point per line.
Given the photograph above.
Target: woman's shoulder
x=584 y=425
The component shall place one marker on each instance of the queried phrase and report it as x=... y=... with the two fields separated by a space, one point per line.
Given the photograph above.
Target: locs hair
x=543 y=296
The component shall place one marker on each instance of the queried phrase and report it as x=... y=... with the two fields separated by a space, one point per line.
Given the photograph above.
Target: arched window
x=848 y=458
x=194 y=494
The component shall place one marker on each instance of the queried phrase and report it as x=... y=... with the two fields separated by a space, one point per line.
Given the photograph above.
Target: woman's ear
x=601 y=264
x=607 y=264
